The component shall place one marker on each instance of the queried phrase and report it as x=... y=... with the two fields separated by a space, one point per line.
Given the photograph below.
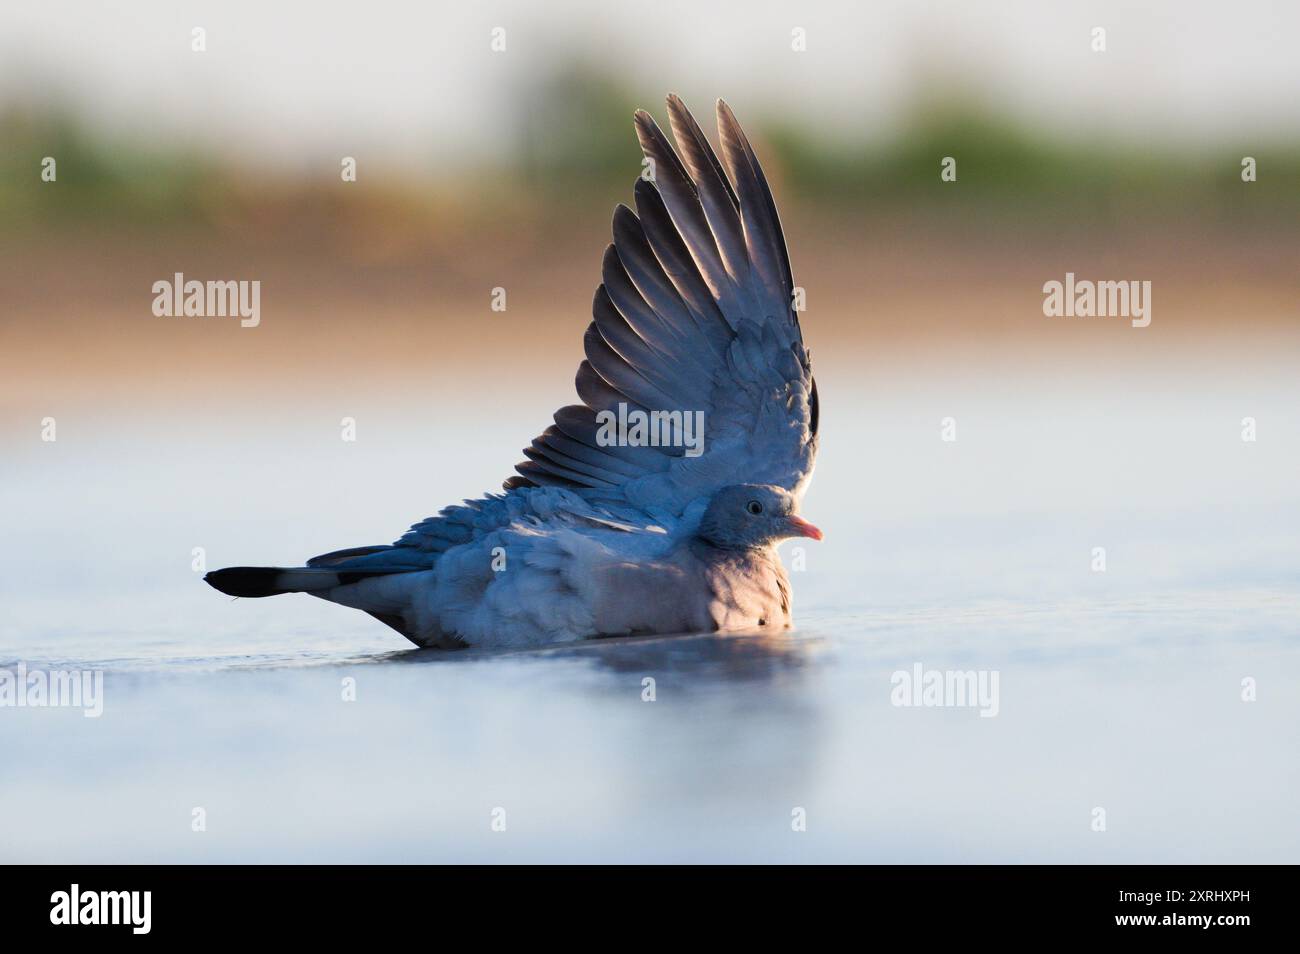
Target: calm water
x=1119 y=690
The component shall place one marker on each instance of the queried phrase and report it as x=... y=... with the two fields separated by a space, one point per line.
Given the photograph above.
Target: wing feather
x=763 y=235
x=678 y=266
x=694 y=314
x=683 y=204
x=717 y=199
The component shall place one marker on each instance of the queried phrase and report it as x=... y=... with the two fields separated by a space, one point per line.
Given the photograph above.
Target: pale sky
x=282 y=83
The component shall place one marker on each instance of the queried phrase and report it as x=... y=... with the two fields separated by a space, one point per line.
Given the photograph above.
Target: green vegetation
x=571 y=140
x=97 y=179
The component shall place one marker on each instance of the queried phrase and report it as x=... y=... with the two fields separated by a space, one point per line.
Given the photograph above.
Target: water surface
x=1119 y=690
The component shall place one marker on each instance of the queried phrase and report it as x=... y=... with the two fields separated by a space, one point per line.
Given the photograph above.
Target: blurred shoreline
x=382 y=288
x=335 y=307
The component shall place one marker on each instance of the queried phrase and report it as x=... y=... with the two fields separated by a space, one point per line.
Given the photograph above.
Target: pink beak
x=802 y=528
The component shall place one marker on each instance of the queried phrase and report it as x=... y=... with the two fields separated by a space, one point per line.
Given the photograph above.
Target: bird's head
x=743 y=516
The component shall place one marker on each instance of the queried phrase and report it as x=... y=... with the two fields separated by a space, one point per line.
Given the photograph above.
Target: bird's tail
x=256 y=581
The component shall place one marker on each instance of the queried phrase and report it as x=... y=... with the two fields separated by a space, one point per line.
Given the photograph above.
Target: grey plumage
x=694 y=315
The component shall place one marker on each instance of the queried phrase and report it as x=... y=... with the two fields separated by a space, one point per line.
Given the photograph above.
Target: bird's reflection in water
x=694 y=720
x=753 y=655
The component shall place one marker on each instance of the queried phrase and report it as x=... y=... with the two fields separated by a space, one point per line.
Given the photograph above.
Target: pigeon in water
x=656 y=504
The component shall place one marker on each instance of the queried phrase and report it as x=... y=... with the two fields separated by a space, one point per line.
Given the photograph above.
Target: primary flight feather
x=655 y=505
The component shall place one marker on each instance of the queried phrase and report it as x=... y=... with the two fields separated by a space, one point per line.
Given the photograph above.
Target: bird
x=653 y=506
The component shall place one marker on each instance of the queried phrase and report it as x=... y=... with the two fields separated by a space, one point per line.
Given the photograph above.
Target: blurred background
x=478 y=169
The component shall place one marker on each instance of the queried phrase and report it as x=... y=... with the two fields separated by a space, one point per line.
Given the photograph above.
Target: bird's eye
x=754 y=507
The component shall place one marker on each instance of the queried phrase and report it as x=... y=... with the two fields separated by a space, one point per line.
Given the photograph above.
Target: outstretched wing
x=693 y=324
